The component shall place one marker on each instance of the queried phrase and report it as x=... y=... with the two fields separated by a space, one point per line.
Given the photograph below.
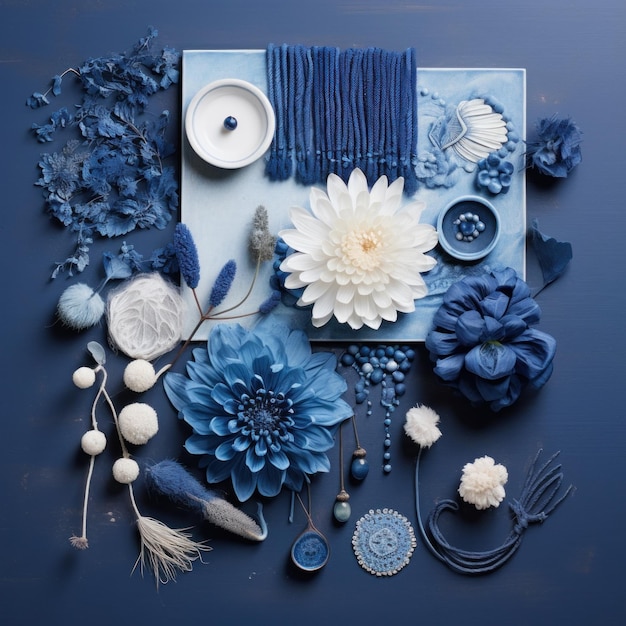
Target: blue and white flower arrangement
x=483 y=342
x=263 y=407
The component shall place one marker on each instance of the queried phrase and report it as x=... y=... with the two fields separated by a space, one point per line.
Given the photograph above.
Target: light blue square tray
x=218 y=205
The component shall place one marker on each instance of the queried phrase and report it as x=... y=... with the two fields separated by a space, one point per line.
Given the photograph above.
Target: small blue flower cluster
x=494 y=174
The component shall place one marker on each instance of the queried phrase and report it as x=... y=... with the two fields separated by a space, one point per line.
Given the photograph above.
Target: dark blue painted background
x=568 y=571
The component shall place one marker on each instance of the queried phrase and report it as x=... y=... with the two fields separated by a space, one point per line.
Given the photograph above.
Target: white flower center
x=362 y=249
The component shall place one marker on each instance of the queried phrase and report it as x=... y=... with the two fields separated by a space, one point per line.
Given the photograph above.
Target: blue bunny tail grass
x=222 y=284
x=187 y=255
x=341 y=110
x=536 y=502
x=169 y=478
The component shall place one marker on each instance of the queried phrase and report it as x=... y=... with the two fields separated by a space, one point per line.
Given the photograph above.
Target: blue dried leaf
x=115 y=267
x=553 y=256
x=56 y=85
x=37 y=100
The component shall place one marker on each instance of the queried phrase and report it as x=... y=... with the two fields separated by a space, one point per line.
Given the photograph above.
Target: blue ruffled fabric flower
x=483 y=343
x=557 y=149
x=263 y=407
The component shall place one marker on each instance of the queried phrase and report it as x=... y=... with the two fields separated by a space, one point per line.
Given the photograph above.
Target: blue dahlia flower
x=556 y=151
x=263 y=407
x=483 y=343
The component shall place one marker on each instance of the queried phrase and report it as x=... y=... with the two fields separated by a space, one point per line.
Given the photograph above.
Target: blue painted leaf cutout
x=553 y=255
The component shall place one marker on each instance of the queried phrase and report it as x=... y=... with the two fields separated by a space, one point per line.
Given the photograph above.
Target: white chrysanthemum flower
x=421 y=425
x=482 y=483
x=359 y=255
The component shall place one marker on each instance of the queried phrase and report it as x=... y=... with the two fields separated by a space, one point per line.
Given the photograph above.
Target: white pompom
x=93 y=442
x=80 y=307
x=84 y=377
x=139 y=375
x=138 y=423
x=125 y=471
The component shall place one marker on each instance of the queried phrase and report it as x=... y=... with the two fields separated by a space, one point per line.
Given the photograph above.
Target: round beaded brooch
x=383 y=542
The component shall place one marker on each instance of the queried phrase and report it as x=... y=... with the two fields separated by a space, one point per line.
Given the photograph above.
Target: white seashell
x=474 y=130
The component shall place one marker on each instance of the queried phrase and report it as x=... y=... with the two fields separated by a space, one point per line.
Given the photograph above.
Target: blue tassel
x=341 y=110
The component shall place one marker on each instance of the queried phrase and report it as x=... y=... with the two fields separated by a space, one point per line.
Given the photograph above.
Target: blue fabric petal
x=495 y=304
x=534 y=350
x=490 y=360
x=450 y=368
x=441 y=343
x=470 y=328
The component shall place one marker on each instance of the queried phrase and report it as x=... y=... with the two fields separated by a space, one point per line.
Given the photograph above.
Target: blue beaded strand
x=387 y=366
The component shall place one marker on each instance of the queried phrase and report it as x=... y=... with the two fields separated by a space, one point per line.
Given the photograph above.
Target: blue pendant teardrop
x=342 y=509
x=360 y=466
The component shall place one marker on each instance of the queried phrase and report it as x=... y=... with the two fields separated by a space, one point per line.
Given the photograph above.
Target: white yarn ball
x=93 y=442
x=84 y=377
x=138 y=423
x=145 y=316
x=80 y=307
x=125 y=471
x=139 y=375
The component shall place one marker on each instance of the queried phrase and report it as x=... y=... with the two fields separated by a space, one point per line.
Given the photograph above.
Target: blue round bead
x=360 y=397
x=380 y=352
x=347 y=359
x=387 y=422
x=389 y=350
x=398 y=376
x=410 y=354
x=399 y=356
x=387 y=456
x=359 y=468
x=405 y=366
x=387 y=443
x=377 y=376
x=353 y=349
x=230 y=123
x=400 y=389
x=387 y=468
x=367 y=368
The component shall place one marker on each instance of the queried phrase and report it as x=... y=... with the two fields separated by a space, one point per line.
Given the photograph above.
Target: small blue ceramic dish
x=468 y=228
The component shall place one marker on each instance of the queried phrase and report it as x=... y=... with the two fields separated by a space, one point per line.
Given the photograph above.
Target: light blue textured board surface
x=218 y=205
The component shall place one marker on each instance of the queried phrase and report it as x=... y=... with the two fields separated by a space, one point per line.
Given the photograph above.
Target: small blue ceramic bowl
x=468 y=228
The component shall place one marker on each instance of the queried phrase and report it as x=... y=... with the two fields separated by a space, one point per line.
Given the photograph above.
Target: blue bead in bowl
x=468 y=228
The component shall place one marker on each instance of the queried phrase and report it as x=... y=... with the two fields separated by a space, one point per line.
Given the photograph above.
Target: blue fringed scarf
x=339 y=110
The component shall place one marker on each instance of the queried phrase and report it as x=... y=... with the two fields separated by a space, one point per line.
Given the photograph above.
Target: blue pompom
x=80 y=307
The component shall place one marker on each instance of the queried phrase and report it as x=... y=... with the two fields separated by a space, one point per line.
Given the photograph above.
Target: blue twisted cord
x=535 y=504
